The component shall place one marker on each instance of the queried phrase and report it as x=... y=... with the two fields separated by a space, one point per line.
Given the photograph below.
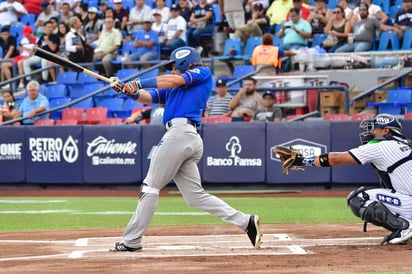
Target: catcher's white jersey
x=383 y=155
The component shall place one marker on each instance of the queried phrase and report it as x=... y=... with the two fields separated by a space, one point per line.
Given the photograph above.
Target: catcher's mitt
x=290 y=158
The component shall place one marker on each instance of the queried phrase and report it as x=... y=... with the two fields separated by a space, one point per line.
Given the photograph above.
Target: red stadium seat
x=66 y=122
x=362 y=116
x=95 y=115
x=44 y=122
x=219 y=119
x=111 y=121
x=336 y=117
x=73 y=114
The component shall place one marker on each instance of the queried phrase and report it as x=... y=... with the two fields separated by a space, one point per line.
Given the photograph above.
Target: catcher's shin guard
x=378 y=214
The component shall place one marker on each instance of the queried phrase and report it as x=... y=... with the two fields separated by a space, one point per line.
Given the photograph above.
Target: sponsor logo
x=234 y=147
x=388 y=199
x=10 y=151
x=305 y=147
x=182 y=53
x=109 y=152
x=54 y=150
x=382 y=120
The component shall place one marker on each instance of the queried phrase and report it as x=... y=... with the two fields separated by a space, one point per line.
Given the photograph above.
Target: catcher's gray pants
x=175 y=158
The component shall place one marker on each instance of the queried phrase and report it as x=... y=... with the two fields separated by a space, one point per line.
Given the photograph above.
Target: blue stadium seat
x=150 y=74
x=114 y=106
x=124 y=73
x=396 y=101
x=29 y=20
x=56 y=91
x=130 y=104
x=16 y=29
x=388 y=40
x=57 y=102
x=216 y=14
x=85 y=78
x=384 y=4
x=67 y=77
x=251 y=43
x=407 y=40
x=238 y=72
x=85 y=104
x=393 y=10
x=318 y=39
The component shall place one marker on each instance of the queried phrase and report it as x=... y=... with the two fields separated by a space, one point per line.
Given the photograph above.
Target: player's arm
x=334 y=159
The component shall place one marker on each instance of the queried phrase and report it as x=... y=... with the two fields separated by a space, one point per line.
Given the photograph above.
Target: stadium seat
x=114 y=106
x=85 y=78
x=112 y=121
x=407 y=40
x=58 y=102
x=216 y=14
x=251 y=43
x=84 y=104
x=384 y=4
x=407 y=116
x=219 y=119
x=130 y=104
x=125 y=73
x=396 y=101
x=66 y=122
x=56 y=91
x=336 y=117
x=150 y=74
x=232 y=50
x=67 y=77
x=388 y=40
x=44 y=122
x=73 y=113
x=362 y=116
x=95 y=115
x=16 y=29
x=29 y=19
x=318 y=39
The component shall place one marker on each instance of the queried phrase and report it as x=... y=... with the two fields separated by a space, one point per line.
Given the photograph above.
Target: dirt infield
x=311 y=248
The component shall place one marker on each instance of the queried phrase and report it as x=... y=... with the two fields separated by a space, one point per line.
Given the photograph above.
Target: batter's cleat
x=253 y=231
x=118 y=246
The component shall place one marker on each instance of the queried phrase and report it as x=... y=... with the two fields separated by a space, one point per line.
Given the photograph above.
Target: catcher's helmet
x=383 y=120
x=183 y=57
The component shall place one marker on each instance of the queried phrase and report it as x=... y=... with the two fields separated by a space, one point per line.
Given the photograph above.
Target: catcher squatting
x=390 y=154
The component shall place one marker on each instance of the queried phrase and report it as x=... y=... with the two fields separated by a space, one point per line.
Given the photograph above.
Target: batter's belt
x=180 y=121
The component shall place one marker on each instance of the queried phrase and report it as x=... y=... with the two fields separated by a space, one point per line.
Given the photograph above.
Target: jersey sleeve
x=195 y=75
x=366 y=153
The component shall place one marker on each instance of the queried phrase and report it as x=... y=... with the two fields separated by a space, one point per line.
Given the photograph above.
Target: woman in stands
x=338 y=29
x=9 y=109
x=320 y=17
x=92 y=26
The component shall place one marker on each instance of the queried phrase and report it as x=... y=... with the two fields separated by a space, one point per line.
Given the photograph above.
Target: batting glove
x=132 y=87
x=116 y=84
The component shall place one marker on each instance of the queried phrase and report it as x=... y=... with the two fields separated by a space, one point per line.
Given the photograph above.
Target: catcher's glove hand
x=290 y=158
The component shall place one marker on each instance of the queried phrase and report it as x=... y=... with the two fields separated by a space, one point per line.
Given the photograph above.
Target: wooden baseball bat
x=64 y=62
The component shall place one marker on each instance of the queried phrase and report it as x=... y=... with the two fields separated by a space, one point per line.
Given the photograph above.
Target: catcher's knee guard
x=356 y=199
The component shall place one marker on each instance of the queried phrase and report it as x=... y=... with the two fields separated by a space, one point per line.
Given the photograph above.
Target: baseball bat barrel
x=66 y=63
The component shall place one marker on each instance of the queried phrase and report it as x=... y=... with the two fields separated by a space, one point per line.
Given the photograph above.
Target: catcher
x=390 y=154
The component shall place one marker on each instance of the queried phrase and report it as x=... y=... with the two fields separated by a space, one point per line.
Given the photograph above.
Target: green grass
x=272 y=210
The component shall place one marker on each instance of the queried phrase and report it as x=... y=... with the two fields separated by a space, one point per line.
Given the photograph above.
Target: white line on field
x=77 y=212
x=31 y=201
x=63 y=255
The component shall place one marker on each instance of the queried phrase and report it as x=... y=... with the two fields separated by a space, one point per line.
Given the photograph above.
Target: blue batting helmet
x=383 y=120
x=182 y=58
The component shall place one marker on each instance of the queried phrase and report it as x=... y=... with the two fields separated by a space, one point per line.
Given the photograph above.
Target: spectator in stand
x=83 y=11
x=8 y=44
x=33 y=6
x=102 y=8
x=269 y=112
x=364 y=32
x=277 y=12
x=73 y=4
x=201 y=21
x=176 y=30
x=92 y=26
x=33 y=104
x=295 y=32
x=75 y=41
x=137 y=15
x=338 y=29
x=304 y=11
x=64 y=29
x=266 y=57
x=26 y=46
x=11 y=11
x=246 y=101
x=155 y=115
x=111 y=13
x=218 y=105
x=256 y=26
x=108 y=46
x=403 y=18
x=159 y=27
x=163 y=10
x=65 y=13
x=147 y=43
x=320 y=17
x=9 y=110
x=185 y=10
x=234 y=13
x=55 y=24
x=47 y=13
x=48 y=41
x=348 y=11
x=374 y=11
x=121 y=13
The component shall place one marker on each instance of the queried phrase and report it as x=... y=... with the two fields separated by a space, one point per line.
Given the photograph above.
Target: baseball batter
x=390 y=153
x=184 y=92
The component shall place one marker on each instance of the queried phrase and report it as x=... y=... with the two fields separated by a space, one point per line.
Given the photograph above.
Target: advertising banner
x=112 y=154
x=12 y=156
x=53 y=154
x=310 y=138
x=234 y=152
x=344 y=136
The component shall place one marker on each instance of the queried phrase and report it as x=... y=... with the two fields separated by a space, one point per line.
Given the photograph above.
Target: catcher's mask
x=383 y=120
x=182 y=58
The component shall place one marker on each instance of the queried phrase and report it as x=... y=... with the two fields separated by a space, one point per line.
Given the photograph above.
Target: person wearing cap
x=374 y=11
x=256 y=26
x=364 y=31
x=269 y=112
x=47 y=13
x=403 y=18
x=218 y=105
x=137 y=15
x=92 y=26
x=146 y=43
x=8 y=44
x=11 y=11
x=176 y=30
x=246 y=101
x=159 y=27
x=27 y=43
x=385 y=147
x=121 y=13
x=162 y=9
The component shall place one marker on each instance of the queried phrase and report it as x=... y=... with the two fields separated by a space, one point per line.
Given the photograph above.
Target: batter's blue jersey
x=188 y=101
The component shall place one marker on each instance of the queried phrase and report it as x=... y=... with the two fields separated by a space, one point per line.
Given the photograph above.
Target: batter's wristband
x=324 y=160
x=149 y=82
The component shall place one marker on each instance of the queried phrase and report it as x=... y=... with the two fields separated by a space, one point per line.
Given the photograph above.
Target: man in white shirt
x=176 y=30
x=10 y=12
x=137 y=15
